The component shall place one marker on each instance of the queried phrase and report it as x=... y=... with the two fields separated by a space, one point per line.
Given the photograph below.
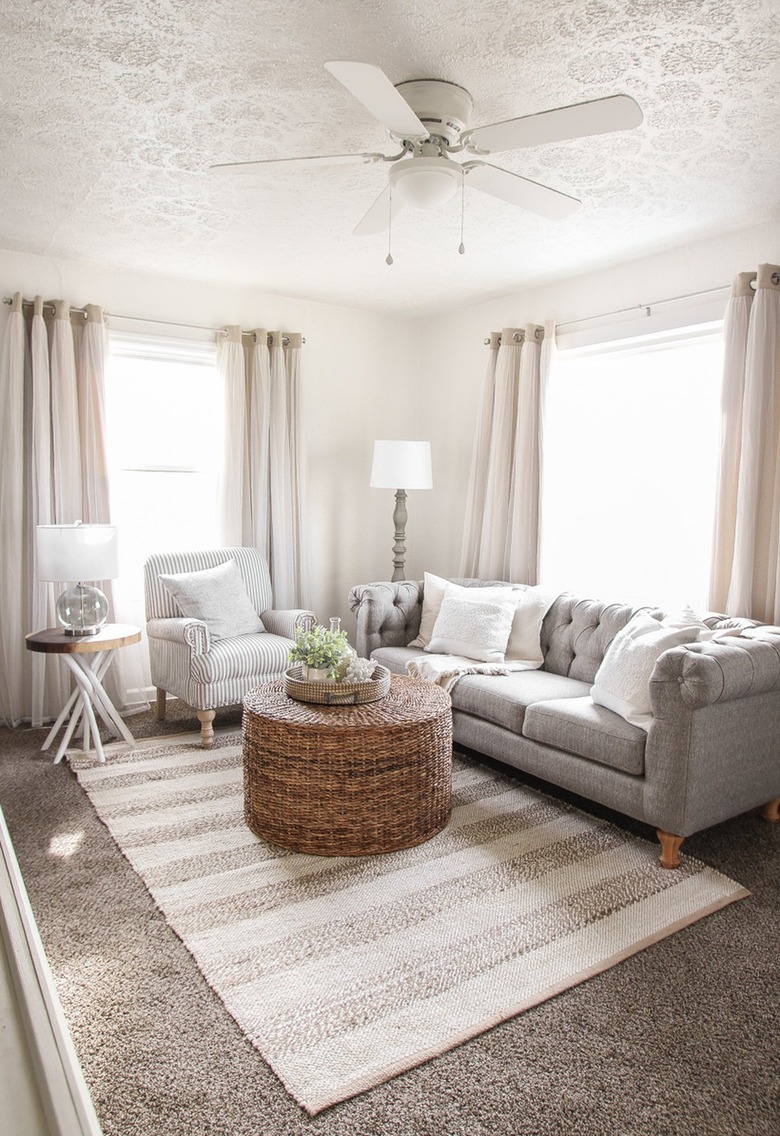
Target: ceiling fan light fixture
x=426 y=183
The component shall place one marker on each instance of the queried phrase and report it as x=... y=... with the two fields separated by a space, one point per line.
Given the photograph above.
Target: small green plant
x=320 y=648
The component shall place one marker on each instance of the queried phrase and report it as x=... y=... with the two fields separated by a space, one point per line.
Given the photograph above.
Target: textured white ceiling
x=112 y=110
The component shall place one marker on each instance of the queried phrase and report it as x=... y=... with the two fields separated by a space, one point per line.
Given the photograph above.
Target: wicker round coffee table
x=348 y=780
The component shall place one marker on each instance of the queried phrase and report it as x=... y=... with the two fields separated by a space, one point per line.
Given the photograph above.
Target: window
x=164 y=419
x=632 y=436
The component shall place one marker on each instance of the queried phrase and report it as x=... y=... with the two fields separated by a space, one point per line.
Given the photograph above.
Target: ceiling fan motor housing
x=443 y=108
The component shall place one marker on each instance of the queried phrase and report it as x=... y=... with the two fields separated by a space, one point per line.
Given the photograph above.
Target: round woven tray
x=336 y=693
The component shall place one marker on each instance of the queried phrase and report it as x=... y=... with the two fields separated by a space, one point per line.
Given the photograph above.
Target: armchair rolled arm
x=282 y=622
x=193 y=633
x=699 y=674
x=388 y=614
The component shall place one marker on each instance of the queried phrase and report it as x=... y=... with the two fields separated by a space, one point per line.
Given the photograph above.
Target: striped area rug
x=344 y=972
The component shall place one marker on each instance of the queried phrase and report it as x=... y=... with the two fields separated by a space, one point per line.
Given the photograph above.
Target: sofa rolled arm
x=282 y=621
x=388 y=614
x=193 y=633
x=699 y=674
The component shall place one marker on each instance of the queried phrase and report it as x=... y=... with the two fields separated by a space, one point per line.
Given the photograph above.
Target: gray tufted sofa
x=712 y=750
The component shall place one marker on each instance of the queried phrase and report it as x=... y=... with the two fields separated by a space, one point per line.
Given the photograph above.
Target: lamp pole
x=400 y=517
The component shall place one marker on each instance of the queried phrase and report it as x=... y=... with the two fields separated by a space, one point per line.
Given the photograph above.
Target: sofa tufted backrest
x=389 y=613
x=576 y=634
x=574 y=638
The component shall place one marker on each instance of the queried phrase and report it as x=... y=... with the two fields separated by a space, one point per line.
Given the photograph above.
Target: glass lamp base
x=82 y=610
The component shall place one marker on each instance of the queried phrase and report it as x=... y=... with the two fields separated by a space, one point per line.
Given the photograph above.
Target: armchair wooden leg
x=771 y=810
x=206 y=719
x=670 y=848
x=160 y=705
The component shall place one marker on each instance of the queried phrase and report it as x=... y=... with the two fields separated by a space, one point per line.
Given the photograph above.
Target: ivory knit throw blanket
x=445 y=670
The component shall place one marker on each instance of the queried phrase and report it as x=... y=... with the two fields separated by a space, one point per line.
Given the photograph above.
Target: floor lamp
x=401 y=466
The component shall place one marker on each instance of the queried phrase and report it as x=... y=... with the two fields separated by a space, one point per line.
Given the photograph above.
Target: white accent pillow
x=687 y=617
x=433 y=594
x=525 y=637
x=434 y=588
x=473 y=626
x=219 y=597
x=622 y=682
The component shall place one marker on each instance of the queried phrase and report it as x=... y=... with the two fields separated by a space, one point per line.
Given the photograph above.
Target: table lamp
x=406 y=465
x=78 y=552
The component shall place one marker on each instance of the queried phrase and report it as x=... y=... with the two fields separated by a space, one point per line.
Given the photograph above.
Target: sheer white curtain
x=52 y=470
x=745 y=577
x=15 y=568
x=501 y=535
x=263 y=483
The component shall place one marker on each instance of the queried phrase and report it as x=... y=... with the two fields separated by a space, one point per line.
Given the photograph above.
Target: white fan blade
x=601 y=116
x=377 y=218
x=520 y=191
x=278 y=163
x=371 y=87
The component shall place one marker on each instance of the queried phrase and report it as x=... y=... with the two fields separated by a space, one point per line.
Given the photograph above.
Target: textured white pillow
x=687 y=617
x=433 y=594
x=525 y=637
x=622 y=681
x=218 y=596
x=434 y=588
x=473 y=626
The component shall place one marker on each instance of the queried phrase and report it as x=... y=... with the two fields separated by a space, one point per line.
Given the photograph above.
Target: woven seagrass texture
x=348 y=780
x=341 y=693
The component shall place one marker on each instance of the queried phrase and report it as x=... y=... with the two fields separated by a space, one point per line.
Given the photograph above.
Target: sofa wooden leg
x=771 y=810
x=160 y=705
x=670 y=848
x=206 y=719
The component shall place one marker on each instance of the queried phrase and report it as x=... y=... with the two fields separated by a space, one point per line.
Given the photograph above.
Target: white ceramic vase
x=316 y=674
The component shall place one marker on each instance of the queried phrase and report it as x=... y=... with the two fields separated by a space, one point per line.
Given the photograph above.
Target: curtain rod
x=636 y=308
x=143 y=319
x=647 y=308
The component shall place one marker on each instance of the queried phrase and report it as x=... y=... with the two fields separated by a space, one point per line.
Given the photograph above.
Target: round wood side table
x=348 y=780
x=87 y=657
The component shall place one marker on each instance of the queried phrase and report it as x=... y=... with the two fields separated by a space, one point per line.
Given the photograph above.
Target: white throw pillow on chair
x=218 y=597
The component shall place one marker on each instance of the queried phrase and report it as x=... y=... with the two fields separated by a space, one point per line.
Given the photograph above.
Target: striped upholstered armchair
x=212 y=631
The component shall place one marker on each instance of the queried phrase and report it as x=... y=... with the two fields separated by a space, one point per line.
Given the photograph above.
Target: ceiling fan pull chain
x=389 y=257
x=461 y=246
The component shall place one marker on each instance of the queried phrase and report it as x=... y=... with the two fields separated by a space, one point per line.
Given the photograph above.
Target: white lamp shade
x=77 y=552
x=402 y=465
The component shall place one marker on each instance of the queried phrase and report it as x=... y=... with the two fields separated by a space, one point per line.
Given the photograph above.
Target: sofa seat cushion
x=503 y=699
x=242 y=656
x=578 y=725
x=395 y=658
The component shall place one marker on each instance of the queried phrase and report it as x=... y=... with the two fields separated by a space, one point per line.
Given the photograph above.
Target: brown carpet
x=679 y=1040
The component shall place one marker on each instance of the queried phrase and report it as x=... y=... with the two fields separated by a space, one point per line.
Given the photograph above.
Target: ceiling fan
x=429 y=118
